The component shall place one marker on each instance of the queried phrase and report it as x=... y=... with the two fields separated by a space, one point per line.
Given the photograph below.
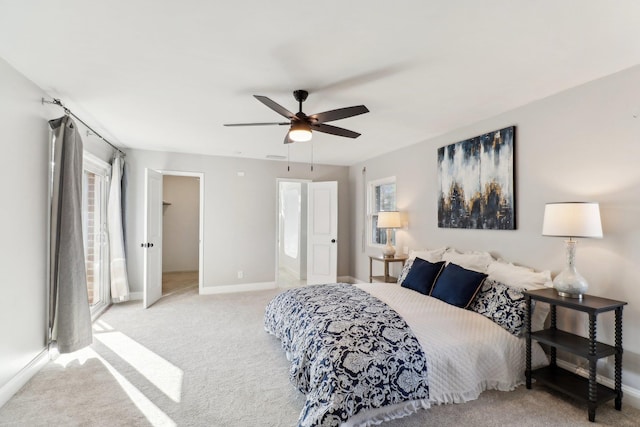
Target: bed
x=368 y=353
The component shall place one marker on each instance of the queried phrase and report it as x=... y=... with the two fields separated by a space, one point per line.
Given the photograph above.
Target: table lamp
x=571 y=219
x=389 y=220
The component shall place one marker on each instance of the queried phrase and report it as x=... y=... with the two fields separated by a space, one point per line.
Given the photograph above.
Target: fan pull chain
x=311 y=156
x=288 y=157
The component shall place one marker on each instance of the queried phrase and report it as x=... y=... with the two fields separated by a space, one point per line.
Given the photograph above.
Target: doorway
x=291 y=233
x=180 y=232
x=168 y=205
x=306 y=232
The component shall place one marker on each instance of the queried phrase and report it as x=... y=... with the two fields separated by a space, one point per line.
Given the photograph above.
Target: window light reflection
x=161 y=373
x=154 y=414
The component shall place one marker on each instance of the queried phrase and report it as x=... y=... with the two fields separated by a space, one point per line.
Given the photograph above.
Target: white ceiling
x=165 y=75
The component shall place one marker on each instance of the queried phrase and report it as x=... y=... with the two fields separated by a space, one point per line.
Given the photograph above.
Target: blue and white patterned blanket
x=349 y=351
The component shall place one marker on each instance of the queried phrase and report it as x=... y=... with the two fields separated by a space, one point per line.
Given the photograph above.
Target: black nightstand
x=567 y=382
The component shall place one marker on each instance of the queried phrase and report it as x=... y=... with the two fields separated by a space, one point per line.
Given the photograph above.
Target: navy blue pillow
x=422 y=275
x=457 y=286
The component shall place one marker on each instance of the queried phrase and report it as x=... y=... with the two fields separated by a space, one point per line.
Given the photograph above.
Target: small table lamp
x=389 y=220
x=571 y=219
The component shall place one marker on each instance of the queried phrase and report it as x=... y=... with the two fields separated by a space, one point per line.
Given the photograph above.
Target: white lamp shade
x=572 y=219
x=389 y=219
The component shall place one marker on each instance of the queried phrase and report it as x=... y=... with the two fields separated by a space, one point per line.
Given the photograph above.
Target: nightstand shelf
x=572 y=343
x=584 y=389
x=571 y=384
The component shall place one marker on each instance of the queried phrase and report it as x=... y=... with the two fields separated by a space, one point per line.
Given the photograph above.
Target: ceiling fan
x=302 y=125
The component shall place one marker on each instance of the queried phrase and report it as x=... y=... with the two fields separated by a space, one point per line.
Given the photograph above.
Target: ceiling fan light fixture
x=300 y=132
x=301 y=124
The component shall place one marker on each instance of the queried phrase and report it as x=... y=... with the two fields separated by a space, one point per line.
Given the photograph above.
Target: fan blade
x=340 y=113
x=334 y=130
x=275 y=106
x=257 y=124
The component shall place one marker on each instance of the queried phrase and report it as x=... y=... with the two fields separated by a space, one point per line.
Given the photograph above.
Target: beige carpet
x=206 y=361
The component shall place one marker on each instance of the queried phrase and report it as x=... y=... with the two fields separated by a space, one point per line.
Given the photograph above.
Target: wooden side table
x=387 y=278
x=585 y=389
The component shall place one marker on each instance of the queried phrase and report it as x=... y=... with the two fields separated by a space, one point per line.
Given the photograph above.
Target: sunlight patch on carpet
x=100 y=326
x=154 y=414
x=161 y=373
x=81 y=356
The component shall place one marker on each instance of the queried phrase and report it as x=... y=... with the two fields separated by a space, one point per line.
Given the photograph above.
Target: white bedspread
x=466 y=352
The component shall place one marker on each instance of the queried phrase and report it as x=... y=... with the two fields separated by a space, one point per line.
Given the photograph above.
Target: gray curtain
x=69 y=312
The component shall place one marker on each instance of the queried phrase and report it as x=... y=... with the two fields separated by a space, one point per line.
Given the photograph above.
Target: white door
x=152 y=245
x=322 y=236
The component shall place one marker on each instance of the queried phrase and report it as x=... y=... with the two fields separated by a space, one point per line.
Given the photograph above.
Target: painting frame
x=476 y=182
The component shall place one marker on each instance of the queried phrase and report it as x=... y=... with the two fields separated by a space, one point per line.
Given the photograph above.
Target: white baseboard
x=136 y=296
x=630 y=395
x=244 y=287
x=212 y=290
x=133 y=296
x=22 y=377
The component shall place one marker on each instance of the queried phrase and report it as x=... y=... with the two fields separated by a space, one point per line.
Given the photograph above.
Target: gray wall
x=240 y=213
x=180 y=223
x=581 y=144
x=23 y=225
x=23 y=218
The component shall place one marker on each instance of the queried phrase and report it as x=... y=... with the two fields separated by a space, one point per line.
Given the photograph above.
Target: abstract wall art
x=476 y=182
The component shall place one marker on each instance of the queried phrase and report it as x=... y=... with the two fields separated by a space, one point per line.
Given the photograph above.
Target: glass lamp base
x=569 y=283
x=388 y=251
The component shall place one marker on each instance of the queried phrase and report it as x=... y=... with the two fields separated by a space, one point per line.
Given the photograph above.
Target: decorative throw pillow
x=422 y=275
x=472 y=260
x=457 y=286
x=503 y=304
x=405 y=270
x=524 y=278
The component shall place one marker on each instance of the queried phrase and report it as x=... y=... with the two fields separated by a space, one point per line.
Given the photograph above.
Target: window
x=95 y=185
x=381 y=198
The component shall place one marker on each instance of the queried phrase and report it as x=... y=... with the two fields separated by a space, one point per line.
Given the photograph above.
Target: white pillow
x=518 y=276
x=431 y=255
x=527 y=279
x=472 y=260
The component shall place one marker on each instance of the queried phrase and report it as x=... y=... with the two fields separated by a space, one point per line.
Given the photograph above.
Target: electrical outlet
x=240 y=274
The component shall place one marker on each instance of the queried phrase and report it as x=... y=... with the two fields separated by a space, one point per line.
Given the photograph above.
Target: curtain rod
x=57 y=102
